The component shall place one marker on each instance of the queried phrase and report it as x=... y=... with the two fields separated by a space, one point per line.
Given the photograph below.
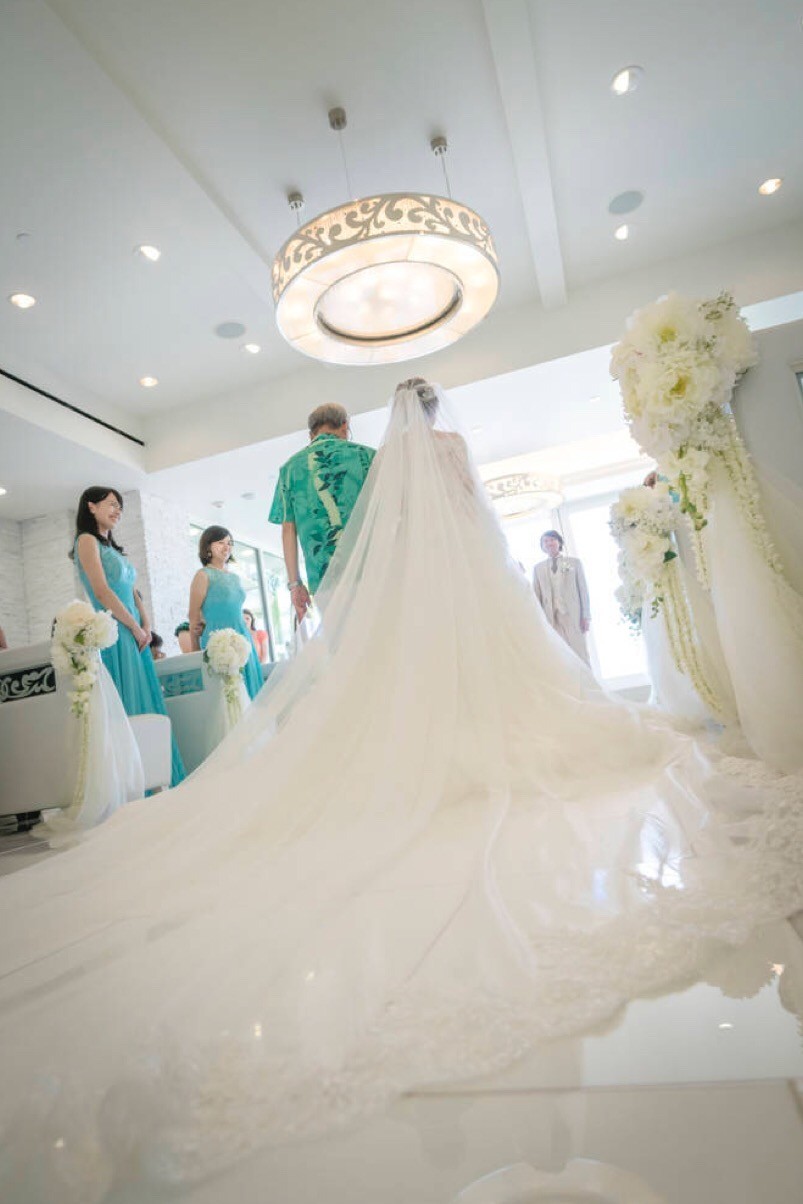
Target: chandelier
x=384 y=278
x=522 y=493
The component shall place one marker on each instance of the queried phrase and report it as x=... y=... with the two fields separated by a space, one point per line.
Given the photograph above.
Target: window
x=617 y=654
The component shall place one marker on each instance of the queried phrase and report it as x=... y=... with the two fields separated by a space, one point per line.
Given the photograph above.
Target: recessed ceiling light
x=626 y=80
x=248 y=497
x=724 y=1026
x=3 y=491
x=218 y=504
x=148 y=382
x=148 y=252
x=22 y=300
x=252 y=348
x=476 y=430
x=594 y=400
x=622 y=232
x=770 y=186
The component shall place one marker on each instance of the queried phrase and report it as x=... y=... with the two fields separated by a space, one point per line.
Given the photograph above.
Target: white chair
x=39 y=736
x=193 y=700
x=152 y=734
x=37 y=760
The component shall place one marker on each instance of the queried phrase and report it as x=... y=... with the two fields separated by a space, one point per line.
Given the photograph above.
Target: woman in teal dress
x=216 y=600
x=108 y=578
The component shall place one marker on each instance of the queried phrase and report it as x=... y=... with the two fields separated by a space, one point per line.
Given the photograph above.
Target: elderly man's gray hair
x=330 y=414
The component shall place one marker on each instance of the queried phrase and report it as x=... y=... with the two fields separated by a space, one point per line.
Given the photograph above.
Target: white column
x=155 y=535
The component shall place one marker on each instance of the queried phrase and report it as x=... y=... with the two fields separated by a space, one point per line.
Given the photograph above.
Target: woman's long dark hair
x=85 y=521
x=212 y=535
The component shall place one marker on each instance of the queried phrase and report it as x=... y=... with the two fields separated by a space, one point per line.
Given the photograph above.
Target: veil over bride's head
x=418 y=394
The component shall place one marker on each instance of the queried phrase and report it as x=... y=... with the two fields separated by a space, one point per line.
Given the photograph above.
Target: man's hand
x=299 y=596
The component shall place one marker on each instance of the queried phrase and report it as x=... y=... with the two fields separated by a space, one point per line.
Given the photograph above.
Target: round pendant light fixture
x=384 y=278
x=521 y=493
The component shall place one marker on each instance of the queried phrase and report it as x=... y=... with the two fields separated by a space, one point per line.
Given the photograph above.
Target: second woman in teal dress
x=108 y=578
x=216 y=600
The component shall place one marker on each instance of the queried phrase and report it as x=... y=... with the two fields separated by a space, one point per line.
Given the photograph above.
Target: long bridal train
x=431 y=842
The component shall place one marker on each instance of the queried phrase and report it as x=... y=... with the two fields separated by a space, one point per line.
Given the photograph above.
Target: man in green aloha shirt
x=315 y=496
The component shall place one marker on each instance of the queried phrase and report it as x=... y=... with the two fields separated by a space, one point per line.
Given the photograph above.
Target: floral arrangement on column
x=642 y=522
x=677 y=367
x=226 y=655
x=79 y=634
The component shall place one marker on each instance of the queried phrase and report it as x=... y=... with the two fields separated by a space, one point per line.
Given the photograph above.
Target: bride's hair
x=425 y=392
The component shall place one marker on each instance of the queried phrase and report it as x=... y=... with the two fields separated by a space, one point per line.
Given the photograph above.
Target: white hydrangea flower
x=227 y=652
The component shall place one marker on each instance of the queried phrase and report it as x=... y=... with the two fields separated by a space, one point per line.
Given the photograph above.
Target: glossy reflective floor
x=691 y=1098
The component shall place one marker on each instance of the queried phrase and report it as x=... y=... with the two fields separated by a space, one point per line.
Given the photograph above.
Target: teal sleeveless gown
x=223 y=607
x=132 y=671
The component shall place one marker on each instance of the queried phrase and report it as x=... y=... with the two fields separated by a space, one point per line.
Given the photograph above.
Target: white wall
x=51 y=581
x=13 y=615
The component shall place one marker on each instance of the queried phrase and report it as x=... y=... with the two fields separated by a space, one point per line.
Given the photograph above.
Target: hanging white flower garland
x=677 y=367
x=226 y=655
x=79 y=634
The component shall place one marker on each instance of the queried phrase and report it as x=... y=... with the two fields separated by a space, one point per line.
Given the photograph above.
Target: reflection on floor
x=691 y=1098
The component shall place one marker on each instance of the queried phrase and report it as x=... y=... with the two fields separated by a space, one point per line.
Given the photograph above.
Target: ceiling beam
x=510 y=35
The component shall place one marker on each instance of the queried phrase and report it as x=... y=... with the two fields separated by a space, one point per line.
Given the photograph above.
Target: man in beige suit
x=560 y=586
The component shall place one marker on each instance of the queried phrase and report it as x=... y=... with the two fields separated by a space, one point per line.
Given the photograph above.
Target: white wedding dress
x=431 y=842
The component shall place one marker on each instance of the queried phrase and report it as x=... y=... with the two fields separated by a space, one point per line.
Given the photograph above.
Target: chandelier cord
x=349 y=190
x=442 y=158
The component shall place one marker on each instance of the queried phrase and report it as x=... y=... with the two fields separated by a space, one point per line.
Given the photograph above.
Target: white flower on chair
x=79 y=634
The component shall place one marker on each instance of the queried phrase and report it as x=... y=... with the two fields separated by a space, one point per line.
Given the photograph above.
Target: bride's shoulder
x=450 y=439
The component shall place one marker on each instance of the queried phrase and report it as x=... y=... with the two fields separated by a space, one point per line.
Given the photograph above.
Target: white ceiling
x=184 y=125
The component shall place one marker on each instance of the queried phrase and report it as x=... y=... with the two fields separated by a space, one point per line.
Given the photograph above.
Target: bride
x=432 y=842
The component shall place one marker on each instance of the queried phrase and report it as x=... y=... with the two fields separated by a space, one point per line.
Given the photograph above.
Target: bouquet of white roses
x=79 y=634
x=226 y=655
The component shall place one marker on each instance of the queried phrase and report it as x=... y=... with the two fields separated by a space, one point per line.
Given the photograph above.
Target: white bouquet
x=678 y=358
x=79 y=634
x=226 y=655
x=642 y=523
